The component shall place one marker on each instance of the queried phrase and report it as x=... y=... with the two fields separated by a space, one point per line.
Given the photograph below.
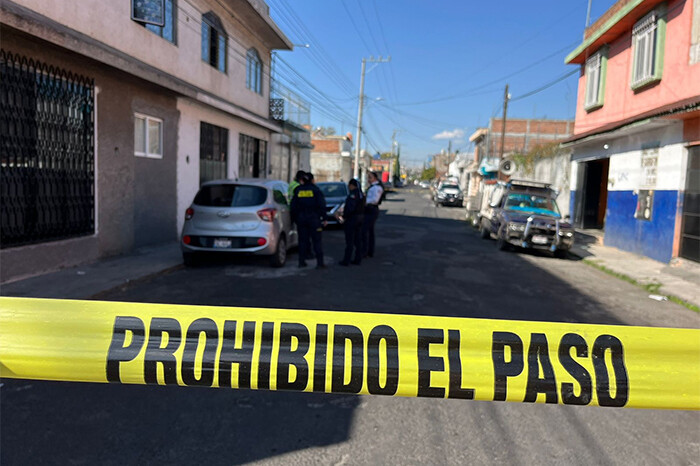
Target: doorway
x=591 y=194
x=690 y=229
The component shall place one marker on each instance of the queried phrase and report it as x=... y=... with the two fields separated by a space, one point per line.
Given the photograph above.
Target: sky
x=450 y=62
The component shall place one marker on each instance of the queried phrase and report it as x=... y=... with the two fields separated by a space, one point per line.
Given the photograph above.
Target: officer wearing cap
x=308 y=211
x=352 y=223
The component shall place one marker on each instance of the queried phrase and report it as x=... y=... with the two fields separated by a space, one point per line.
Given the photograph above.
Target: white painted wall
x=110 y=23
x=625 y=154
x=191 y=115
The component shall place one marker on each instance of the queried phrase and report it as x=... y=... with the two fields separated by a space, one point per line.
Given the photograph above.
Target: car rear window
x=333 y=190
x=230 y=195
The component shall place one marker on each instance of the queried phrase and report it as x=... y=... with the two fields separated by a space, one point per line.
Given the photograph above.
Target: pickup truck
x=525 y=214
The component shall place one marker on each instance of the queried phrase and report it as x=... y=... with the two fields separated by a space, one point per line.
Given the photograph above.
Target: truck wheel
x=279 y=258
x=501 y=243
x=484 y=233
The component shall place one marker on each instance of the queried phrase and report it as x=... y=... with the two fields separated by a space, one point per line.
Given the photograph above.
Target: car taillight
x=262 y=241
x=267 y=215
x=186 y=239
x=189 y=213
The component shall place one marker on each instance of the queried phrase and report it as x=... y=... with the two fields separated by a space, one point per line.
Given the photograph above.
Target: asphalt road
x=428 y=262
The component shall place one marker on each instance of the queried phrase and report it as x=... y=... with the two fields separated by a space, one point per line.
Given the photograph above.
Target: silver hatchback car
x=239 y=216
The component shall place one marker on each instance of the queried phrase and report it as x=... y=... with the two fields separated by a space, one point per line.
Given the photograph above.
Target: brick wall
x=525 y=134
x=326 y=146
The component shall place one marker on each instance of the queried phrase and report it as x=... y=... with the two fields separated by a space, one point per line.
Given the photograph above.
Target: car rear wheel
x=279 y=258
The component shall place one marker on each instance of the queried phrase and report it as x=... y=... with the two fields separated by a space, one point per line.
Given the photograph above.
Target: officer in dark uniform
x=308 y=212
x=353 y=213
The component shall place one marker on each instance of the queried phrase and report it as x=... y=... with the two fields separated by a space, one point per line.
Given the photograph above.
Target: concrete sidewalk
x=89 y=280
x=680 y=278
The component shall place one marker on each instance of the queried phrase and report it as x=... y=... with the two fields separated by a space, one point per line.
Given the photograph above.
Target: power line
x=545 y=86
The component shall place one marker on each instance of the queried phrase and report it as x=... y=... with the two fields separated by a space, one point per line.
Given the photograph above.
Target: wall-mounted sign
x=645 y=204
x=148 y=11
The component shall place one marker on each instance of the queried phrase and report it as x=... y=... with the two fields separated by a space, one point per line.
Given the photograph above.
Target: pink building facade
x=636 y=142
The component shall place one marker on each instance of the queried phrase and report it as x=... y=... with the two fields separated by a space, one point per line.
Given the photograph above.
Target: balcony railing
x=286 y=105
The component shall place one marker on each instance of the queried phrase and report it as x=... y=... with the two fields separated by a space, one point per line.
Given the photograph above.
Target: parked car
x=239 y=216
x=425 y=184
x=335 y=193
x=448 y=194
x=525 y=214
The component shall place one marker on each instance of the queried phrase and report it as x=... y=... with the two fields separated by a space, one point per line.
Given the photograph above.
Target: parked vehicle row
x=525 y=214
x=248 y=216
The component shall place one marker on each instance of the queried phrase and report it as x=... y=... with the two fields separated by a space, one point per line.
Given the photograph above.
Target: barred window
x=644 y=41
x=593 y=80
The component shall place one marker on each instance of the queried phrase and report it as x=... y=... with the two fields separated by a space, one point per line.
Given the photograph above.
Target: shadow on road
x=70 y=423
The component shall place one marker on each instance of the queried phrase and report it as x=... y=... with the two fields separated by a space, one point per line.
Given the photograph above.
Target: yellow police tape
x=350 y=352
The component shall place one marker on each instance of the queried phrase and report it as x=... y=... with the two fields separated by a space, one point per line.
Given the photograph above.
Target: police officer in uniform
x=373 y=199
x=352 y=223
x=308 y=211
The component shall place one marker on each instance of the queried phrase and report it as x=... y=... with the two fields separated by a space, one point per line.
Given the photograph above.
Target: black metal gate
x=47 y=158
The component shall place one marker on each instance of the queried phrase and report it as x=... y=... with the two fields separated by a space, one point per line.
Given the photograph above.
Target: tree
x=428 y=174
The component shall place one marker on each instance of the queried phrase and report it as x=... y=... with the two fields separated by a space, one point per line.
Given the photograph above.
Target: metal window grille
x=213 y=152
x=592 y=79
x=47 y=158
x=644 y=39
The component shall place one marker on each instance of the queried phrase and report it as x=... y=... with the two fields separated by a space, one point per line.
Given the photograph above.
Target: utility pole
x=360 y=107
x=449 y=155
x=588 y=18
x=506 y=96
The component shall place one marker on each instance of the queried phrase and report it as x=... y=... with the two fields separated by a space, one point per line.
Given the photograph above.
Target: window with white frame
x=254 y=71
x=148 y=136
x=644 y=37
x=593 y=80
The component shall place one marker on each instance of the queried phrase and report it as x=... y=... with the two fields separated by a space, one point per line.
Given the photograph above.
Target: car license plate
x=539 y=239
x=222 y=243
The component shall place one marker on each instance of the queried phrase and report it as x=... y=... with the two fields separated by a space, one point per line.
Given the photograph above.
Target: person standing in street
x=353 y=213
x=296 y=182
x=373 y=199
x=308 y=211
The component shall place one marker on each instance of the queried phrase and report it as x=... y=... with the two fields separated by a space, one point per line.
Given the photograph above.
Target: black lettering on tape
x=320 y=358
x=388 y=334
x=118 y=353
x=288 y=357
x=165 y=355
x=455 y=362
x=502 y=369
x=268 y=329
x=602 y=381
x=341 y=334
x=538 y=356
x=427 y=363
x=231 y=355
x=576 y=370
x=189 y=354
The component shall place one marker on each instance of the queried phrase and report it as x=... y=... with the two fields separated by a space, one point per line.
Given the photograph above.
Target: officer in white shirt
x=374 y=198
